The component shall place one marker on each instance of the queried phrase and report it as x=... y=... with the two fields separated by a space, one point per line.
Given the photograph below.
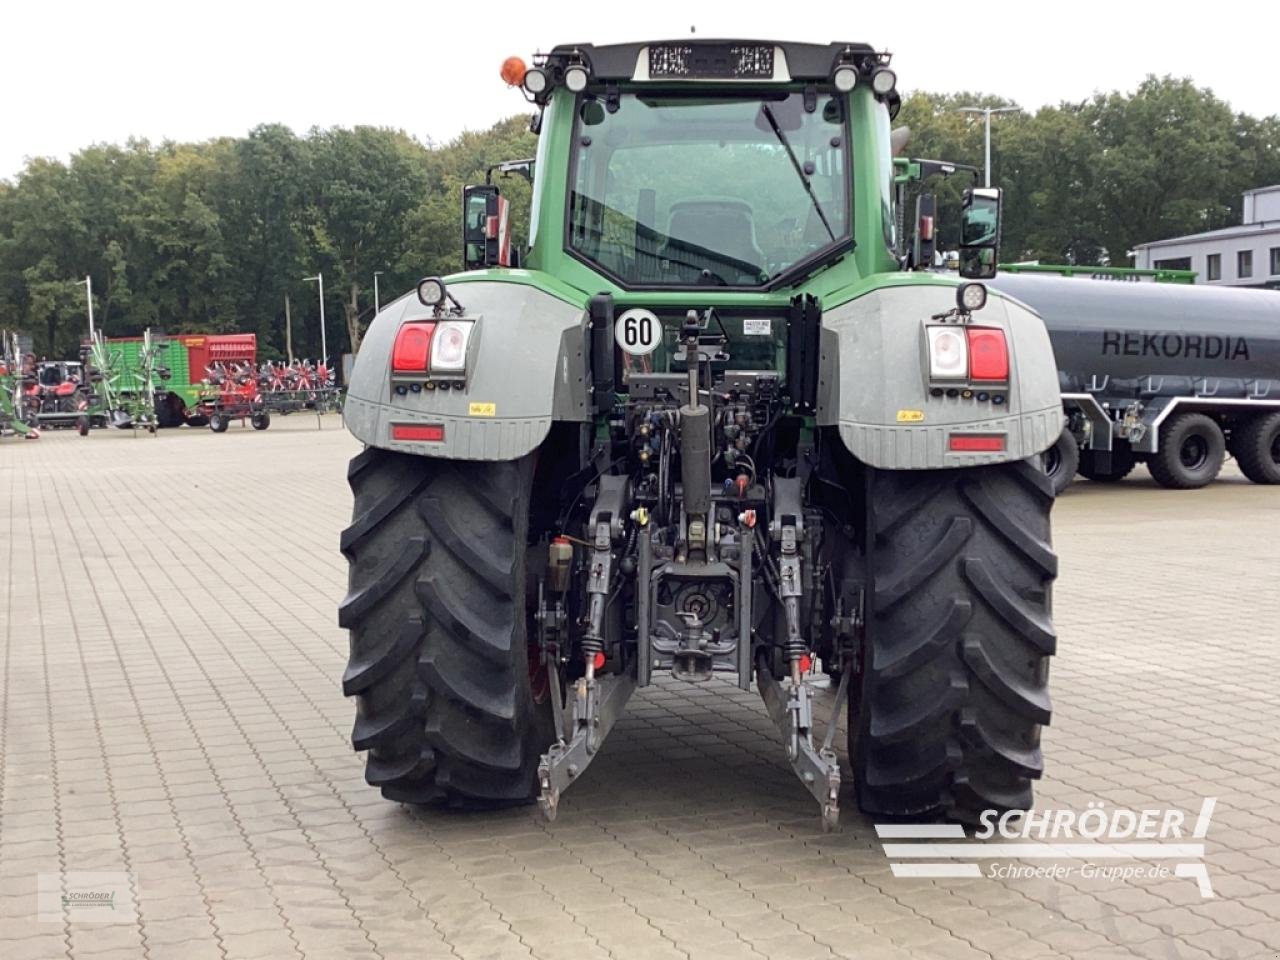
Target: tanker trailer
x=1170 y=375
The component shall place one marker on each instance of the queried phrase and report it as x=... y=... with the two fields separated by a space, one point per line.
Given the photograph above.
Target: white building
x=1243 y=256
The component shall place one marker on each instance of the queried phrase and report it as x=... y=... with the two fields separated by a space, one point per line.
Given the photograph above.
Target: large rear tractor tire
x=1256 y=447
x=1062 y=460
x=438 y=622
x=1191 y=452
x=946 y=718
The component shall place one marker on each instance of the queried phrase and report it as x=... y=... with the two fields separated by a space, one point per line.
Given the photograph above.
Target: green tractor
x=715 y=422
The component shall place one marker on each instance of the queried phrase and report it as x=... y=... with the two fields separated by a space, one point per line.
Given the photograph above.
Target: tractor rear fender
x=525 y=369
x=875 y=383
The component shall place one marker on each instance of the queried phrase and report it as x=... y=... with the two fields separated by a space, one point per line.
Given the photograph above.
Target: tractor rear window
x=729 y=191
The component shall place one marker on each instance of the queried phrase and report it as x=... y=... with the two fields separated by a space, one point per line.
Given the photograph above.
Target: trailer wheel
x=170 y=410
x=218 y=422
x=197 y=421
x=437 y=615
x=1257 y=448
x=946 y=716
x=1062 y=460
x=82 y=426
x=1191 y=452
x=1121 y=465
x=260 y=421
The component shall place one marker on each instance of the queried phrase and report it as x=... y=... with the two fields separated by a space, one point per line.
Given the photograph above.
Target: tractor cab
x=715 y=165
x=60 y=377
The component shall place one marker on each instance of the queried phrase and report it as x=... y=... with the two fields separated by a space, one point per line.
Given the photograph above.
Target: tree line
x=1085 y=182
x=216 y=236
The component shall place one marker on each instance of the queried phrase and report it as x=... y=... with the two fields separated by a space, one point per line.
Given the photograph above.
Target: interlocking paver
x=42 y=947
x=170 y=707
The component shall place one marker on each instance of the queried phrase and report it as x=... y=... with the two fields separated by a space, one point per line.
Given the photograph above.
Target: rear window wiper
x=795 y=163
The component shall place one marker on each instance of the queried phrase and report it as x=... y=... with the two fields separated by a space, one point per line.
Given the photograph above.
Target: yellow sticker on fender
x=483 y=410
x=910 y=416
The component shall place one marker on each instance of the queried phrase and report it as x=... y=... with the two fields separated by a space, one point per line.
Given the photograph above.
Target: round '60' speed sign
x=637 y=331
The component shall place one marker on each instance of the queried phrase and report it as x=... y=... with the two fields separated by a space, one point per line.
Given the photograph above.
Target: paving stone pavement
x=170 y=717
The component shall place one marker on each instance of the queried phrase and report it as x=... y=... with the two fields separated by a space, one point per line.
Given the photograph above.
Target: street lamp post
x=986 y=113
x=324 y=343
x=376 y=275
x=88 y=293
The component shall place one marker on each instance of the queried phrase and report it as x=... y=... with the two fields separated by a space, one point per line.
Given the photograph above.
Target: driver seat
x=720 y=224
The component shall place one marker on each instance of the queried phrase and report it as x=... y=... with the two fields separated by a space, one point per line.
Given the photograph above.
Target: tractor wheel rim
x=1194 y=452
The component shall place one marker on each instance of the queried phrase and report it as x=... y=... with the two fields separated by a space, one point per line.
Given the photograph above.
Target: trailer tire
x=260 y=421
x=1062 y=460
x=953 y=688
x=1191 y=452
x=82 y=426
x=197 y=420
x=1256 y=448
x=1122 y=464
x=218 y=422
x=438 y=624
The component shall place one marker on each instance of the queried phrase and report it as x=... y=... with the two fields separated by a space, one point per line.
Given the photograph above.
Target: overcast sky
x=72 y=74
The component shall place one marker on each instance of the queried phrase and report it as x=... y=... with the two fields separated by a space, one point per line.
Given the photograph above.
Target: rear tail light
x=948 y=353
x=988 y=354
x=412 y=350
x=449 y=346
x=976 y=442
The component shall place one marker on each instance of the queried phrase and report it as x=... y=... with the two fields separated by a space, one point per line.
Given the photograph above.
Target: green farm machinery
x=718 y=420
x=16 y=378
x=126 y=383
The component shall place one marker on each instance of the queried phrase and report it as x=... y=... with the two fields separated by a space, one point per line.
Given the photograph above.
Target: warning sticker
x=483 y=409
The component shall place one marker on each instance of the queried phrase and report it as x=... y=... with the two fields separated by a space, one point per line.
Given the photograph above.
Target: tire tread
x=436 y=615
x=955 y=689
x=1252 y=449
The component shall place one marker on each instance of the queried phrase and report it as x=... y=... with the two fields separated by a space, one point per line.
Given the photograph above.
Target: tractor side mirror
x=979 y=233
x=486 y=235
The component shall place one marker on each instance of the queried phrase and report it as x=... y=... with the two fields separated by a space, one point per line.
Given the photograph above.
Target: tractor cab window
x=884 y=150
x=718 y=191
